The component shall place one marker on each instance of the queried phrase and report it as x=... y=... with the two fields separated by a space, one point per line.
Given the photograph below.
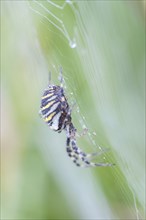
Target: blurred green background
x=100 y=46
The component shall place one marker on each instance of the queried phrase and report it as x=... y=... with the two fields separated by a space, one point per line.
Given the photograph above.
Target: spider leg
x=84 y=157
x=84 y=163
x=75 y=152
x=73 y=156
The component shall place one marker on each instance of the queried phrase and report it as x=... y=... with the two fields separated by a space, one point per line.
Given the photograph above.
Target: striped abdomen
x=54 y=107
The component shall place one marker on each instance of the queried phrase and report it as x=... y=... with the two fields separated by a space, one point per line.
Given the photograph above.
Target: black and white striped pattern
x=54 y=107
x=56 y=113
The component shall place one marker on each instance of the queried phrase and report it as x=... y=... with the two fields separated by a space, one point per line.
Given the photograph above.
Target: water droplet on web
x=72 y=44
x=94 y=133
x=100 y=148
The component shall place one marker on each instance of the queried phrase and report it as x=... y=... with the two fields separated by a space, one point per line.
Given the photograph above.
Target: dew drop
x=72 y=44
x=94 y=133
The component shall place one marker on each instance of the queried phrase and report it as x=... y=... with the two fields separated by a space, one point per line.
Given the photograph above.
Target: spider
x=56 y=112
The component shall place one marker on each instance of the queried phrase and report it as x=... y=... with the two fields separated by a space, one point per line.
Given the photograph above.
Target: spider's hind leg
x=85 y=158
x=80 y=158
x=73 y=156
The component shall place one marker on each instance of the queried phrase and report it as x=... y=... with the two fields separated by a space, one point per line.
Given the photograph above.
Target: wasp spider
x=56 y=112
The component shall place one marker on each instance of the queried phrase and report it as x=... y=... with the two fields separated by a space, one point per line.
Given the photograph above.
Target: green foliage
x=100 y=45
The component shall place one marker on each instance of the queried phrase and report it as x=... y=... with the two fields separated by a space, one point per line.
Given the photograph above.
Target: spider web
x=58 y=23
x=102 y=92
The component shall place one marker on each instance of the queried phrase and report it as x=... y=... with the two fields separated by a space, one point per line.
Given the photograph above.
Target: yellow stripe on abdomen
x=48 y=95
x=48 y=105
x=50 y=117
